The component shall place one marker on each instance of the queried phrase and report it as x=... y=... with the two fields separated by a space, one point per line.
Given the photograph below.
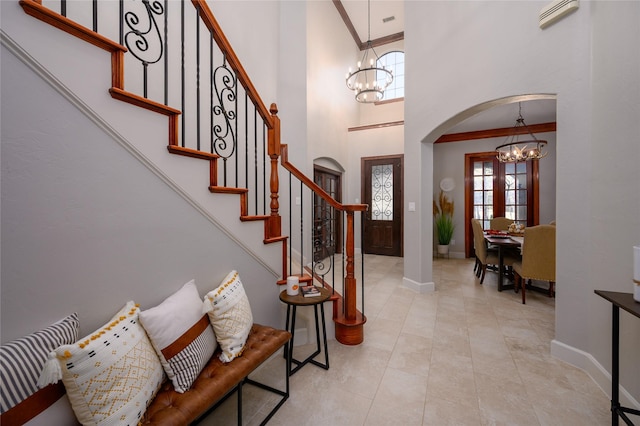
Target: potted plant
x=443 y=214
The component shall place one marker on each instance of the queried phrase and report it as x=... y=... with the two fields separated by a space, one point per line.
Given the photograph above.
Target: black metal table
x=626 y=302
x=300 y=300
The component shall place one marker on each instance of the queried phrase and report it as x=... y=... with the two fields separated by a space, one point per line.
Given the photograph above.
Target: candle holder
x=293 y=285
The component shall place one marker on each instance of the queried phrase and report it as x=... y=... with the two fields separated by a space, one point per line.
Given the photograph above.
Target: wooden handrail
x=216 y=32
x=284 y=160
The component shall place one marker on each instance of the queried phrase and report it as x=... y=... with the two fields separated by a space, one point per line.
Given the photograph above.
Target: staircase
x=228 y=113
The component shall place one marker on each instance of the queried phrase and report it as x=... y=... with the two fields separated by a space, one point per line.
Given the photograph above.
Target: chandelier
x=515 y=150
x=369 y=81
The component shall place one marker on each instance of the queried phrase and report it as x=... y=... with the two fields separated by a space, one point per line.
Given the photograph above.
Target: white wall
x=591 y=62
x=448 y=161
x=368 y=143
x=86 y=227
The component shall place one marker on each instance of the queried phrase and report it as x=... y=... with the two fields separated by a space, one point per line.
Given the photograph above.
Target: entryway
x=382 y=182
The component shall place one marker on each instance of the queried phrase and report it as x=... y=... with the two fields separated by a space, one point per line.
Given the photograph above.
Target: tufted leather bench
x=217 y=381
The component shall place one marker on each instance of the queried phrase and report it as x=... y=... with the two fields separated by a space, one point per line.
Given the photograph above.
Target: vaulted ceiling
x=386 y=24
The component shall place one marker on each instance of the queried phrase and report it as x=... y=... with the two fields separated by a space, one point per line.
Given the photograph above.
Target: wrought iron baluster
x=246 y=142
x=255 y=158
x=264 y=169
x=198 y=79
x=143 y=39
x=94 y=10
x=225 y=87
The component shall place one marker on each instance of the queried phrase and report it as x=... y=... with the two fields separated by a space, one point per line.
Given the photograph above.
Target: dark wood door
x=327 y=226
x=382 y=191
x=494 y=189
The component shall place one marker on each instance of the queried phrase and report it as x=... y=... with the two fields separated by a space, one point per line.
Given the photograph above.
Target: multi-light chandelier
x=515 y=150
x=369 y=81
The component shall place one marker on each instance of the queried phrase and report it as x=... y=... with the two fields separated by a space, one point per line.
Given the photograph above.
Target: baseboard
x=429 y=287
x=585 y=361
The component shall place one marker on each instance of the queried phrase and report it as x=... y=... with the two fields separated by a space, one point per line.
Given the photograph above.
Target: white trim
x=585 y=361
x=429 y=287
x=65 y=92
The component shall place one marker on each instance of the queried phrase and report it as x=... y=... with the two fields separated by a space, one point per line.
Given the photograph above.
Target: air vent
x=556 y=10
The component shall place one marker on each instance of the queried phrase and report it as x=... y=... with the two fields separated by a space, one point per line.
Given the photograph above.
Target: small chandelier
x=368 y=83
x=515 y=150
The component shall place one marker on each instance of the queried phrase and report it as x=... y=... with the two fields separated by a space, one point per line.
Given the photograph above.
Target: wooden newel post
x=350 y=288
x=275 y=222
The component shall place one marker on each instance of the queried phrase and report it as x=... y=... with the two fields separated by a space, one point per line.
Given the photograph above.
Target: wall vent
x=556 y=10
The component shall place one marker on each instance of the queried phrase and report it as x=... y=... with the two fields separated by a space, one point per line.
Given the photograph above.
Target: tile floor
x=462 y=355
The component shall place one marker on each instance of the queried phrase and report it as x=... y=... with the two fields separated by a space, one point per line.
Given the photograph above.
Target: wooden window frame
x=533 y=193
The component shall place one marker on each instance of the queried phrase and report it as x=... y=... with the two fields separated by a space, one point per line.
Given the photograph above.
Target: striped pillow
x=181 y=335
x=21 y=360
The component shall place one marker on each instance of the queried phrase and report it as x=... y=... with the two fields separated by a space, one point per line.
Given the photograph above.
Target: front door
x=382 y=191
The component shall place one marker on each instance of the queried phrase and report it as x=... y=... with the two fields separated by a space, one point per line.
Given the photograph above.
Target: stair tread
x=188 y=152
x=228 y=190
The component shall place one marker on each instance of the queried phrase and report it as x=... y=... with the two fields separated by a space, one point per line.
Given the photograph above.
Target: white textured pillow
x=112 y=375
x=181 y=334
x=230 y=314
x=21 y=362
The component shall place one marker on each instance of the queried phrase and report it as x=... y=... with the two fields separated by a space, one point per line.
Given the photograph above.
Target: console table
x=626 y=302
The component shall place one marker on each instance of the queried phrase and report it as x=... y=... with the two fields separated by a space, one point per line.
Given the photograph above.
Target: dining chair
x=538 y=258
x=484 y=255
x=500 y=223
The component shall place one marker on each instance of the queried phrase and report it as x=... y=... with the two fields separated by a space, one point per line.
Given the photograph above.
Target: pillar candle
x=292 y=286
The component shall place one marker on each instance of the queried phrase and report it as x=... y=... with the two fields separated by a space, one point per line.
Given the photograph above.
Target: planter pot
x=443 y=249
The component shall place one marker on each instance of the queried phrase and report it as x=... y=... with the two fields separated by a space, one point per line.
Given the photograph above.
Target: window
x=494 y=189
x=515 y=192
x=393 y=61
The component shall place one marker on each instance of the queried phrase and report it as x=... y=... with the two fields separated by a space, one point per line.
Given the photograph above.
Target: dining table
x=503 y=242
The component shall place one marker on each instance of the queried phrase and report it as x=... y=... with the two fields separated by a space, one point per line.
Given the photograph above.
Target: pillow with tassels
x=230 y=315
x=112 y=375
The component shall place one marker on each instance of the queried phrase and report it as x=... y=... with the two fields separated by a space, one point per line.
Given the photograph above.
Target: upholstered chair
x=485 y=256
x=500 y=223
x=538 y=258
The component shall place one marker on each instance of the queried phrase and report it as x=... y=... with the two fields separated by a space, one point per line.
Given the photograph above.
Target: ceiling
x=504 y=114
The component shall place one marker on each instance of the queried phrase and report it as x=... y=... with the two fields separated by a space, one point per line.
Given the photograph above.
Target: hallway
x=463 y=355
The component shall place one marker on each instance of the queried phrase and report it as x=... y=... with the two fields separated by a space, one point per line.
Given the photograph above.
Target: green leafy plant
x=443 y=214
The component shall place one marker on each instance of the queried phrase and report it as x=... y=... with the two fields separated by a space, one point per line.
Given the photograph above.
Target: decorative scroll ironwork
x=225 y=83
x=324 y=243
x=138 y=39
x=143 y=40
x=382 y=192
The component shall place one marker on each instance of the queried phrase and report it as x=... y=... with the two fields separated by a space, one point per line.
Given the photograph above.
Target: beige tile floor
x=462 y=355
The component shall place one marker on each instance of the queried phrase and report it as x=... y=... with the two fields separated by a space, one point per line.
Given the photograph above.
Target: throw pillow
x=111 y=375
x=21 y=361
x=181 y=334
x=230 y=314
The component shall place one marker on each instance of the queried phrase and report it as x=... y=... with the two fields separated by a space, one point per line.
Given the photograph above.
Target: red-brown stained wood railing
x=37 y=10
x=225 y=47
x=349 y=322
x=270 y=118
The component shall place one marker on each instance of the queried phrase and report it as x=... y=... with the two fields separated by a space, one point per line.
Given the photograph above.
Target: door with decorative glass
x=327 y=226
x=382 y=191
x=494 y=189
